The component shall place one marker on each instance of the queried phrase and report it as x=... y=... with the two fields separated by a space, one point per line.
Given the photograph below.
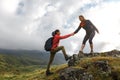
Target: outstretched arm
x=76 y=31
x=66 y=36
x=94 y=27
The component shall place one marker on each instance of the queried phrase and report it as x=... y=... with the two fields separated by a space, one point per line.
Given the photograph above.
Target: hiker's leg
x=63 y=50
x=90 y=41
x=91 y=47
x=52 y=54
x=82 y=47
x=84 y=42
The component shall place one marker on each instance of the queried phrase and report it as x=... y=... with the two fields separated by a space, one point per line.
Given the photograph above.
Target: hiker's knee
x=84 y=42
x=62 y=47
x=90 y=41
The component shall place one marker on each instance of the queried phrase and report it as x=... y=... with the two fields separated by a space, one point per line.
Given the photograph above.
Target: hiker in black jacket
x=90 y=32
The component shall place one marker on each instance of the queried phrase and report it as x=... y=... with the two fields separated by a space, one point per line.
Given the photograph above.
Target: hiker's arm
x=76 y=31
x=66 y=36
x=94 y=27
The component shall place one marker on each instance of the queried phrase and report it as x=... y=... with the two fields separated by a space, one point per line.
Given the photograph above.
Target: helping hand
x=98 y=32
x=72 y=34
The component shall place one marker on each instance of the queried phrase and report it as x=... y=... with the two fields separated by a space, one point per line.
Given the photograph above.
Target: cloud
x=26 y=24
x=8 y=6
x=106 y=17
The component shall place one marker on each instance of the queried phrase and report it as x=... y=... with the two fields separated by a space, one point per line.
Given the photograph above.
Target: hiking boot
x=91 y=53
x=48 y=73
x=67 y=58
x=80 y=54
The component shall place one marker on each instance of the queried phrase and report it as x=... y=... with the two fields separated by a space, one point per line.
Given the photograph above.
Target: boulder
x=74 y=59
x=102 y=66
x=75 y=74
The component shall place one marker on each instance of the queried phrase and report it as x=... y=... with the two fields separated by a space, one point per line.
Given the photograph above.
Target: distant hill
x=18 y=58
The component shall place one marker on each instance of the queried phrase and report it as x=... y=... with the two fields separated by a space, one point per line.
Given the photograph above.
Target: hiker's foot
x=80 y=54
x=67 y=58
x=91 y=53
x=48 y=73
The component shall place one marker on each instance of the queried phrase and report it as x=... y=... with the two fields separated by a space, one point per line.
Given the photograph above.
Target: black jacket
x=89 y=27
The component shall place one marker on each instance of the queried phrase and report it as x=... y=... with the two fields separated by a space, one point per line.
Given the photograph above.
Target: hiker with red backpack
x=90 y=32
x=55 y=48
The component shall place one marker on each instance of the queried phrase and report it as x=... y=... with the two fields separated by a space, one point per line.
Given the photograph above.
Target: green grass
x=32 y=73
x=113 y=62
x=37 y=72
x=14 y=67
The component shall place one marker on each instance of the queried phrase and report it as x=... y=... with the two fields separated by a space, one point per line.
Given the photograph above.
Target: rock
x=100 y=68
x=74 y=59
x=103 y=66
x=71 y=62
x=80 y=54
x=113 y=53
x=115 y=76
x=75 y=74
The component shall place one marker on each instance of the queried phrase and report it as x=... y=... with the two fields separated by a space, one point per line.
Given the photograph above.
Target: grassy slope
x=15 y=62
x=14 y=67
x=113 y=62
x=17 y=68
x=39 y=74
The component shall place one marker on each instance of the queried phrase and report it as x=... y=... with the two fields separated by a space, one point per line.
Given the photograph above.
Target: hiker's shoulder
x=56 y=36
x=87 y=20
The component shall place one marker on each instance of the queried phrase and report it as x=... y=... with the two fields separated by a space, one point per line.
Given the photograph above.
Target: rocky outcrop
x=113 y=53
x=77 y=57
x=83 y=73
x=74 y=59
x=75 y=74
x=89 y=70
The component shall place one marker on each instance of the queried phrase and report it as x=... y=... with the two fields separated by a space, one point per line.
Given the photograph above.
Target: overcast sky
x=26 y=24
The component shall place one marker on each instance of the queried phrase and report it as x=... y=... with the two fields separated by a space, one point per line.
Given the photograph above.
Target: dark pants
x=89 y=36
x=52 y=54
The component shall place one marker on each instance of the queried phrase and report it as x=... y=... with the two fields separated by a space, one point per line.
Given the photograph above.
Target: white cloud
x=9 y=6
x=26 y=24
